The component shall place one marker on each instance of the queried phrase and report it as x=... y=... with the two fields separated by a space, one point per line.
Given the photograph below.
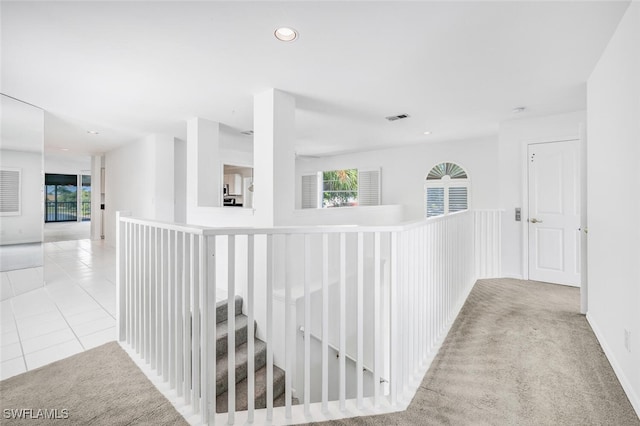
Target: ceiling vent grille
x=247 y=132
x=397 y=117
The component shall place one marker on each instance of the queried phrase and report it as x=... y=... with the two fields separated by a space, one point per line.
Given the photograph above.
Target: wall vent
x=247 y=133
x=397 y=117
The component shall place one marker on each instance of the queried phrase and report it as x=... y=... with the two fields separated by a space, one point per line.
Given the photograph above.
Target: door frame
x=525 y=201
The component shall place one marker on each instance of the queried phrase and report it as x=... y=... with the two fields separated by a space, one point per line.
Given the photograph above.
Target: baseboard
x=619 y=372
x=515 y=277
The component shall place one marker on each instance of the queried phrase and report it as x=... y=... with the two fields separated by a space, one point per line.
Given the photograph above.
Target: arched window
x=446 y=190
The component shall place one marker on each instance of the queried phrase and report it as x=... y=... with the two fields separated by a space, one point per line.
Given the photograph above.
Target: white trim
x=634 y=399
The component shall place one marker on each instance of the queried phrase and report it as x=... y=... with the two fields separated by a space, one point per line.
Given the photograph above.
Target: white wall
x=28 y=227
x=66 y=164
x=613 y=143
x=514 y=137
x=404 y=170
x=139 y=177
x=233 y=149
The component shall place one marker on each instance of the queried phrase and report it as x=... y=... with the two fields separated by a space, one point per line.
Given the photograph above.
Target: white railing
x=353 y=315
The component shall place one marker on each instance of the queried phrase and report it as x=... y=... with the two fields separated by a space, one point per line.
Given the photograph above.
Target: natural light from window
x=446 y=190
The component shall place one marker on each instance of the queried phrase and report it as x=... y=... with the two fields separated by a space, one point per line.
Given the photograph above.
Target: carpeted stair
x=242 y=357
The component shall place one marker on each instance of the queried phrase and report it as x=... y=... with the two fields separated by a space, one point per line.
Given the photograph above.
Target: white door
x=554 y=212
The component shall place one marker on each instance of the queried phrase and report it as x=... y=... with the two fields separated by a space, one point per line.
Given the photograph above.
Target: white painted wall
x=28 y=227
x=66 y=164
x=613 y=206
x=204 y=178
x=513 y=140
x=139 y=177
x=404 y=170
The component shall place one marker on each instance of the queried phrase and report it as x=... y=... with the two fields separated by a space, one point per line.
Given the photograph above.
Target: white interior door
x=554 y=212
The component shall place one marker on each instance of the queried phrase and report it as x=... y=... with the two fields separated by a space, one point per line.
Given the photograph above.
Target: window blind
x=368 y=187
x=435 y=202
x=310 y=191
x=457 y=199
x=10 y=192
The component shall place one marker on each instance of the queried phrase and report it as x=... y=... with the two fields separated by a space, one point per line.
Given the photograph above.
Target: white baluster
x=250 y=329
x=325 y=322
x=360 y=325
x=307 y=323
x=342 y=387
x=231 y=330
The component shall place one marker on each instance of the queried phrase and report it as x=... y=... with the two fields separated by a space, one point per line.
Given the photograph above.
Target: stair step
x=280 y=401
x=242 y=359
x=222 y=331
x=260 y=391
x=221 y=309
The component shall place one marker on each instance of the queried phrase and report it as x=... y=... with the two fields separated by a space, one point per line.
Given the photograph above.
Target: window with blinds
x=10 y=180
x=435 y=202
x=446 y=190
x=340 y=188
x=457 y=199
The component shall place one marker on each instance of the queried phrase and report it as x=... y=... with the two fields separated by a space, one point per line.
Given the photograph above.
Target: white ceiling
x=457 y=68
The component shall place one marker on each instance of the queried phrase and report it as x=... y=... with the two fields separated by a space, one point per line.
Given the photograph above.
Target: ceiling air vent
x=247 y=132
x=397 y=117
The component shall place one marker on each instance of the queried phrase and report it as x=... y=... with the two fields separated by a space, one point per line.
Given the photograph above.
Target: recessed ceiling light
x=518 y=110
x=93 y=132
x=427 y=132
x=286 y=34
x=64 y=149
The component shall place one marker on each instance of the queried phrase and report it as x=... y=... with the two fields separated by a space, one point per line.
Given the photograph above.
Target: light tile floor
x=74 y=310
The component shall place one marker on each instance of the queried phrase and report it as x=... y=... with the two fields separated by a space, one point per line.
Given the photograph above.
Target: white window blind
x=435 y=202
x=310 y=191
x=368 y=187
x=457 y=199
x=10 y=192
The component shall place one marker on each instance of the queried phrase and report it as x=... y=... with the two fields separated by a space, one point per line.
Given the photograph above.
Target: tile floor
x=73 y=312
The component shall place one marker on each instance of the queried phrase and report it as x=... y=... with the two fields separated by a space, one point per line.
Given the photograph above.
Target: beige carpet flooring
x=101 y=386
x=518 y=354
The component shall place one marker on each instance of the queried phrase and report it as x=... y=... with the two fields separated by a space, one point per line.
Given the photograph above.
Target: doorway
x=554 y=212
x=61 y=198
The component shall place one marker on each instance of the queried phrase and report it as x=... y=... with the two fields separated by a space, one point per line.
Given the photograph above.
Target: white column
x=164 y=197
x=274 y=157
x=97 y=196
x=204 y=174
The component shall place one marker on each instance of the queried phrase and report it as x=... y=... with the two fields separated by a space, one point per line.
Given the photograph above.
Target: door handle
x=534 y=220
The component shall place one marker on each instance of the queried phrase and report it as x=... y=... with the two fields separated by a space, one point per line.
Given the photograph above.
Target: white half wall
x=515 y=135
x=139 y=177
x=403 y=173
x=613 y=205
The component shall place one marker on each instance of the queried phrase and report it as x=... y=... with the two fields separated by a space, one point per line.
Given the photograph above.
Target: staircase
x=242 y=357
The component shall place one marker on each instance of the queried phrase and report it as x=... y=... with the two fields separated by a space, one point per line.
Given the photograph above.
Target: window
x=341 y=188
x=446 y=190
x=61 y=197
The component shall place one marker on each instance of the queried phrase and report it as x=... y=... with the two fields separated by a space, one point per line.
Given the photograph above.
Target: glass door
x=61 y=198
